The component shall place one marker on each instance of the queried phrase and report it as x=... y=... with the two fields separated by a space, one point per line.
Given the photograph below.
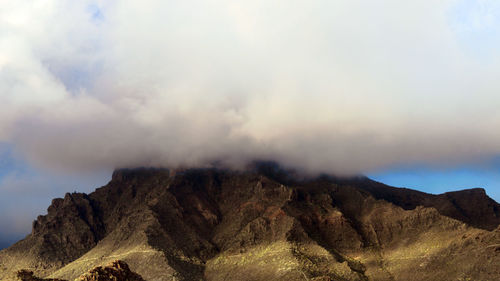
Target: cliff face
x=209 y=224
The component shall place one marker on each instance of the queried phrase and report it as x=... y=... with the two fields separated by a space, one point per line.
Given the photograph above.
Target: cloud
x=332 y=86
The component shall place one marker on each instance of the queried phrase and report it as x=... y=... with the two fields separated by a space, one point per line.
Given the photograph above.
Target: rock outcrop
x=262 y=224
x=115 y=271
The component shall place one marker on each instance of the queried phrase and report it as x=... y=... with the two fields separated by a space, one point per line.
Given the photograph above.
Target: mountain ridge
x=259 y=224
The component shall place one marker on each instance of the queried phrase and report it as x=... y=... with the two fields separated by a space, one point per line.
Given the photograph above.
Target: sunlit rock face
x=264 y=223
x=115 y=271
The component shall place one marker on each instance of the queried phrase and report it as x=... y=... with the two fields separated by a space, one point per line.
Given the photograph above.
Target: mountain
x=264 y=223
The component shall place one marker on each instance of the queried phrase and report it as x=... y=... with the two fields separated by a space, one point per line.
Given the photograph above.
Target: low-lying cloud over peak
x=335 y=86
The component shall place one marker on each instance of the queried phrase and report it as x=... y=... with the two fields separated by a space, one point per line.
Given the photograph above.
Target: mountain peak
x=259 y=224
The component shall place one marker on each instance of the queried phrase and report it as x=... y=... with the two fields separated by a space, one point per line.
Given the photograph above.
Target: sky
x=406 y=92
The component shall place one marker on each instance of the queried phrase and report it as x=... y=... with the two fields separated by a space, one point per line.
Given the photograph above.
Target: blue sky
x=439 y=180
x=477 y=24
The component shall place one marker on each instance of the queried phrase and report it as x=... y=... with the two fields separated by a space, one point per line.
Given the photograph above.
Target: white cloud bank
x=342 y=86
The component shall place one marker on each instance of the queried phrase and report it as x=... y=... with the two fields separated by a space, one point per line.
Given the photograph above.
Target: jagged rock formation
x=263 y=224
x=115 y=271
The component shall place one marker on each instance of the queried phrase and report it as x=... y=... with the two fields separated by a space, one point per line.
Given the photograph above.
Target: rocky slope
x=262 y=224
x=115 y=271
